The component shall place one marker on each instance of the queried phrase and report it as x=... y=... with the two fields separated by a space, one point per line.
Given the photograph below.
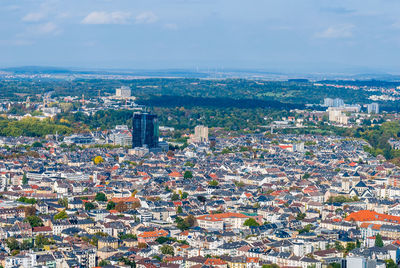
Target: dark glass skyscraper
x=145 y=130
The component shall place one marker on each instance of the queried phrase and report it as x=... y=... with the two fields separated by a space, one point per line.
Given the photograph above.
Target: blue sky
x=274 y=35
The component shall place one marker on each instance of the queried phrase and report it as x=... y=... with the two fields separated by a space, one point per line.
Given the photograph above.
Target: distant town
x=103 y=180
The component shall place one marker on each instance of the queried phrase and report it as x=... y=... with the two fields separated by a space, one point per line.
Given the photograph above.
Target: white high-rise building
x=373 y=108
x=123 y=92
x=200 y=134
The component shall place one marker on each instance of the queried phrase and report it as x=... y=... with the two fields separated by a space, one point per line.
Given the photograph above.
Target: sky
x=361 y=36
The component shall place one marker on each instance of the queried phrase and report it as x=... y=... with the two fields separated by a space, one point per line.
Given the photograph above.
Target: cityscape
x=196 y=134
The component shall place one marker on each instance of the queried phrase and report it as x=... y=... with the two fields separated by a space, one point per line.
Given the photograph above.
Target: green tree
x=110 y=205
x=63 y=202
x=89 y=206
x=250 y=222
x=174 y=197
x=167 y=250
x=213 y=183
x=101 y=197
x=179 y=210
x=300 y=216
x=188 y=174
x=270 y=266
x=26 y=200
x=61 y=215
x=378 y=241
x=390 y=264
x=103 y=263
x=12 y=243
x=24 y=179
x=34 y=221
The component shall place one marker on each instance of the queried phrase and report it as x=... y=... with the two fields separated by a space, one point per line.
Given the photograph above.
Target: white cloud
x=337 y=31
x=146 y=18
x=33 y=17
x=102 y=17
x=44 y=29
x=171 y=26
x=396 y=25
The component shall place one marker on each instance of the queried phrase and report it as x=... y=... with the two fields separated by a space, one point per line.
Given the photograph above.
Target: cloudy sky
x=275 y=35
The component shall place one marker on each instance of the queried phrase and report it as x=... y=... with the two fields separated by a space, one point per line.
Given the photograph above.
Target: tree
x=300 y=216
x=167 y=250
x=184 y=195
x=202 y=199
x=110 y=205
x=213 y=183
x=12 y=243
x=121 y=207
x=63 y=202
x=89 y=206
x=390 y=264
x=61 y=215
x=188 y=174
x=26 y=200
x=270 y=266
x=103 y=263
x=29 y=211
x=24 y=179
x=98 y=160
x=34 y=221
x=174 y=197
x=41 y=240
x=101 y=197
x=250 y=222
x=378 y=241
x=350 y=247
x=162 y=240
x=179 y=210
x=37 y=144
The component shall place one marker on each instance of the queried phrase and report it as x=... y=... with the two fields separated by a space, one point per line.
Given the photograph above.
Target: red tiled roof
x=369 y=215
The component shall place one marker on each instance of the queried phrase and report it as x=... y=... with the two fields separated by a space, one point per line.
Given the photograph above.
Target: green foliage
x=34 y=221
x=341 y=199
x=306 y=229
x=89 y=206
x=378 y=241
x=110 y=205
x=179 y=210
x=26 y=200
x=350 y=246
x=167 y=250
x=31 y=127
x=334 y=265
x=270 y=265
x=250 y=222
x=103 y=263
x=162 y=239
x=123 y=236
x=189 y=164
x=213 y=183
x=24 y=179
x=300 y=216
x=61 y=215
x=101 y=197
x=306 y=176
x=41 y=240
x=390 y=264
x=63 y=202
x=188 y=174
x=174 y=197
x=184 y=224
